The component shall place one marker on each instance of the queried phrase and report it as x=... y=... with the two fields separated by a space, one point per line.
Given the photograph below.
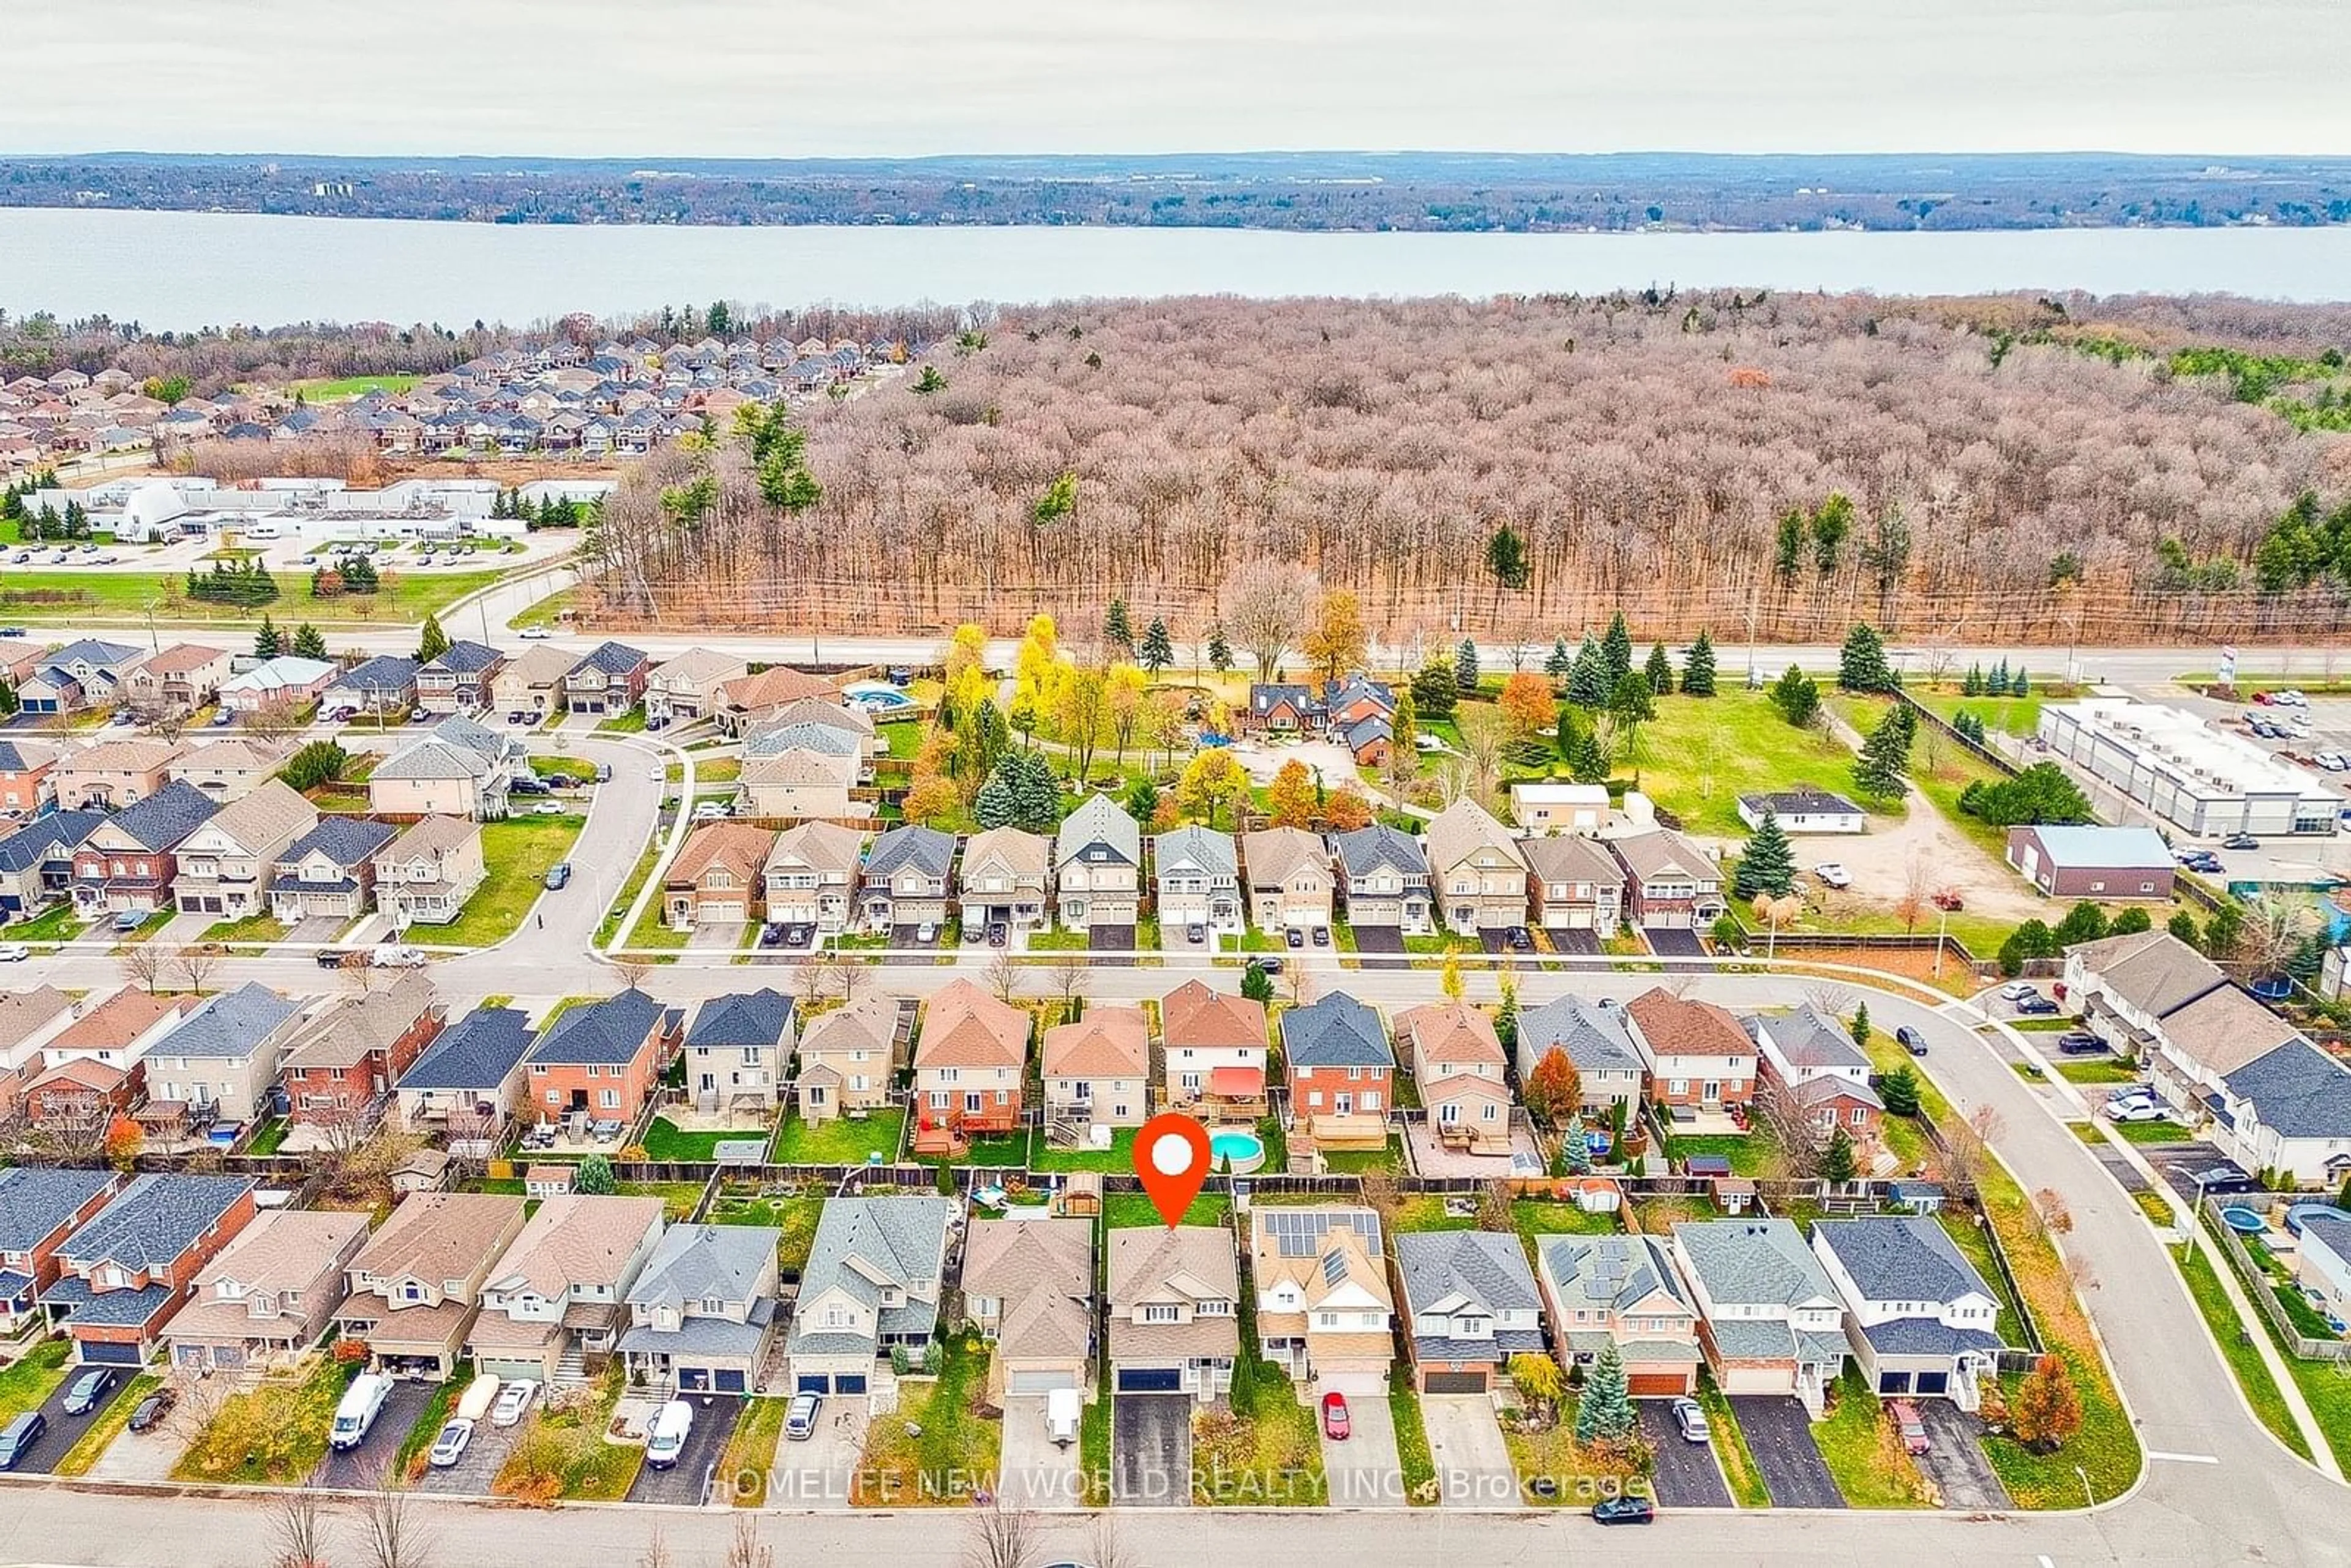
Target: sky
x=905 y=77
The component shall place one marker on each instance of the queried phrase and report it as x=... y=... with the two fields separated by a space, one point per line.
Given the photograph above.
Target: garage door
x=730 y=1380
x=813 y=1383
x=1658 y=1383
x=1894 y=1383
x=98 y=1353
x=1579 y=919
x=1368 y=1383
x=1150 y=1380
x=1452 y=1383
x=1042 y=1381
x=1932 y=1382
x=849 y=1383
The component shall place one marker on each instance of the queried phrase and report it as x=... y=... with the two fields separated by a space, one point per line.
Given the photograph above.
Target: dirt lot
x=1880 y=861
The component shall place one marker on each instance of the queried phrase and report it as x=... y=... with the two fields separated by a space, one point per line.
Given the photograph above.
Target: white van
x=1063 y=1408
x=673 y=1424
x=264 y=531
x=362 y=1401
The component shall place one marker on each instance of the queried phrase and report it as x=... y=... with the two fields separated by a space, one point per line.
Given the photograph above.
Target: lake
x=180 y=270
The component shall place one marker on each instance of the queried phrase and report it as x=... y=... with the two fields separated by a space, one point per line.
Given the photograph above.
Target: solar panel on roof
x=1334 y=1266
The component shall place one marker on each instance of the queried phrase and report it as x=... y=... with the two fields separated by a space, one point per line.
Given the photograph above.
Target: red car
x=1335 y=1416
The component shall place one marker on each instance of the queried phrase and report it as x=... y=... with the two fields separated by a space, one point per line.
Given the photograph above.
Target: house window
x=1326 y=1320
x=611 y=1100
x=1156 y=1313
x=1860 y=1115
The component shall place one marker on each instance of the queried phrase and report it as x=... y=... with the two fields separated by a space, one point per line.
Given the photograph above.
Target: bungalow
x=747 y=700
x=1340 y=1071
x=463 y=679
x=113 y=774
x=25 y=776
x=1802 y=810
x=971 y=1059
x=39 y=1208
x=736 y=1050
x=601 y=1059
x=610 y=679
x=874 y=1280
x=36 y=861
x=1469 y=1304
x=81 y=674
x=2096 y=862
x=269 y=1295
x=1028 y=1287
x=417 y=1284
x=1290 y=882
x=801 y=785
x=382 y=688
x=125 y=1273
x=1479 y=871
x=553 y=1303
x=221 y=1062
x=1674 y=883
x=686 y=687
x=1097 y=1074
x=1215 y=1050
x=1576 y=885
x=1920 y=1320
x=425 y=875
x=702 y=1314
x=1325 y=1308
x=459 y=768
x=468 y=1084
x=1806 y=1055
x=129 y=861
x=340 y=1067
x=229 y=770
x=1098 y=866
x=1006 y=880
x=848 y=1059
x=286 y=683
x=1196 y=876
x=226 y=865
x=1623 y=1290
x=1698 y=1058
x=1459 y=1066
x=1542 y=808
x=175 y=681
x=532 y=681
x=1384 y=878
x=718 y=876
x=810 y=873
x=329 y=871
x=1175 y=1305
x=1769 y=1319
x=903 y=882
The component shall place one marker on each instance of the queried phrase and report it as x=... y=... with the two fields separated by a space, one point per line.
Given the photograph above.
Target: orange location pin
x=1171 y=1156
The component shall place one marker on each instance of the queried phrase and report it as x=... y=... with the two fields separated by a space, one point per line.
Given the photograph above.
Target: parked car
x=513 y=1400
x=558 y=780
x=332 y=957
x=395 y=955
x=1271 y=964
x=1689 y=1420
x=223 y=718
x=1322 y=936
x=2332 y=761
x=2036 y=1005
x=1625 y=1511
x=709 y=810
x=1908 y=1426
x=558 y=876
x=128 y=920
x=1335 y=1422
x=532 y=634
x=518 y=715
x=1195 y=934
x=549 y=808
x=12 y=630
x=2136 y=1111
x=2224 y=1178
x=603 y=773
x=14 y=952
x=673 y=1424
x=799 y=935
x=771 y=935
x=2080 y=1042
x=451 y=1445
x=1910 y=1039
x=153 y=1409
x=1295 y=937
x=2241 y=842
x=800 y=1417
x=2017 y=990
x=1834 y=874
x=86 y=1390
x=526 y=784
x=927 y=933
x=2290 y=699
x=998 y=934
x=362 y=1403
x=1516 y=938
x=18 y=1438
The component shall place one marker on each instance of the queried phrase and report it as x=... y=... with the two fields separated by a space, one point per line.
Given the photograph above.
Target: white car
x=14 y=952
x=2332 y=761
x=709 y=810
x=2019 y=990
x=395 y=955
x=532 y=634
x=450 y=1446
x=1832 y=873
x=2290 y=699
x=1690 y=1420
x=513 y=1400
x=2136 y=1111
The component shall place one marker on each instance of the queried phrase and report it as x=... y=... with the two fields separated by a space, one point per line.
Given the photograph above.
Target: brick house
x=126 y=1272
x=1576 y=884
x=229 y=770
x=1341 y=1070
x=462 y=680
x=340 y=1066
x=1625 y=1290
x=1470 y=1303
x=1808 y=1056
x=687 y=687
x=225 y=866
x=1670 y=880
x=601 y=1059
x=970 y=1060
x=130 y=862
x=1174 y=1310
x=718 y=876
x=848 y=1059
x=180 y=679
x=1698 y=1057
x=610 y=679
x=1290 y=880
x=26 y=776
x=1215 y=1053
x=39 y=1208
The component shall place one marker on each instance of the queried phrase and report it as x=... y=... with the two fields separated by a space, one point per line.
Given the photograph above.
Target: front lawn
x=1577 y=1476
x=26 y=1382
x=100 y=1435
x=251 y=928
x=562 y=1454
x=58 y=922
x=630 y=722
x=844 y=1141
x=409 y=1464
x=1746 y=1481
x=938 y=1447
x=274 y=1435
x=1414 y=1463
x=2237 y=1348
x=751 y=1450
x=1865 y=1453
x=2159 y=1131
x=518 y=854
x=569 y=766
x=1700 y=754
x=2106 y=1070
x=1264 y=1449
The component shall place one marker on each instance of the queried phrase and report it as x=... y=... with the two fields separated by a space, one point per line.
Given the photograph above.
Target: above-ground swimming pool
x=1236 y=1154
x=2244 y=1221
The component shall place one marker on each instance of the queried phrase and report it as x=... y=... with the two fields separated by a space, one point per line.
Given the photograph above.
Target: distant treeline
x=1301 y=190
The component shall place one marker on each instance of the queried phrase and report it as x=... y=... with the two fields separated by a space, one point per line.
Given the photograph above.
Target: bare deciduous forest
x=1671 y=454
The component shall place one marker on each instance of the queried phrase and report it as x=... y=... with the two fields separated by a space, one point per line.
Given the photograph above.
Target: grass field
x=342 y=389
x=938 y=1447
x=57 y=923
x=2012 y=716
x=1700 y=754
x=67 y=596
x=795 y=1216
x=32 y=1378
x=840 y=1142
x=274 y=1435
x=751 y=1450
x=517 y=852
x=1864 y=1454
x=665 y=1141
x=1130 y=1210
x=2237 y=1348
x=261 y=927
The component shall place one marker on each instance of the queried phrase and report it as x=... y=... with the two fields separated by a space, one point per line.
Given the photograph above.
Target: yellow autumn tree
x=1034 y=662
x=1336 y=642
x=1525 y=703
x=1291 y=795
x=1448 y=978
x=1123 y=706
x=930 y=797
x=967 y=650
x=1212 y=782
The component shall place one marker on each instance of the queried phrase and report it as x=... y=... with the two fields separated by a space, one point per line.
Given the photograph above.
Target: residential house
x=904 y=879
x=848 y=1059
x=1542 y=808
x=175 y=681
x=36 y=861
x=269 y=1295
x=737 y=1050
x=1028 y=1286
x=1807 y=1055
x=532 y=681
x=971 y=1059
x=125 y=1273
x=425 y=877
x=1477 y=869
x=29 y=1018
x=40 y=1205
x=1802 y=810
x=801 y=785
x=1576 y=886
x=1921 y=1321
x=1196 y=876
x=27 y=777
x=553 y=1304
x=718 y=876
x=685 y=687
x=2158 y=1001
x=873 y=1282
x=417 y=1284
x=2109 y=864
x=1672 y=883
x=1769 y=1320
x=469 y=1083
x=702 y=1314
x=1469 y=1304
x=118 y=1031
x=1623 y=1291
x=1098 y=866
x=382 y=687
x=817 y=724
x=1462 y=1073
x=229 y=770
x=461 y=680
x=811 y=874
x=747 y=701
x=458 y=768
x=1215 y=1051
x=1097 y=1072
x=79 y=1098
x=1699 y=1059
x=329 y=870
x=340 y=1067
x=610 y=679
x=1006 y=879
x=287 y=681
x=2321 y=1264
x=129 y=861
x=2288 y=1111
x=112 y=774
x=1175 y=1305
x=81 y=674
x=1340 y=1071
x=226 y=864
x=1290 y=882
x=601 y=1059
x=1325 y=1308
x=221 y=1062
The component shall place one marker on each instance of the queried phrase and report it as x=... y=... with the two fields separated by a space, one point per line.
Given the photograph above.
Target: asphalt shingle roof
x=1901 y=1258
x=154 y=1220
x=1335 y=1030
x=466 y=658
x=478 y=1051
x=346 y=841
x=385 y=672
x=926 y=850
x=1367 y=850
x=611 y=659
x=903 y=1239
x=692 y=1263
x=168 y=816
x=228 y=1027
x=1099 y=819
x=1195 y=846
x=1754 y=1261
x=609 y=1032
x=1594 y=1037
x=35 y=1199
x=1484 y=1267
x=2296 y=1089
x=33 y=842
x=746 y=1018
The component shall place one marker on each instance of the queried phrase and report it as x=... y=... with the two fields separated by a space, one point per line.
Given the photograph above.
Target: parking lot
x=1687 y=1474
x=1473 y=1462
x=1150 y=1450
x=368 y=1466
x=65 y=1430
x=816 y=1472
x=688 y=1480
x=1032 y=1470
x=1955 y=1460
x=1779 y=1435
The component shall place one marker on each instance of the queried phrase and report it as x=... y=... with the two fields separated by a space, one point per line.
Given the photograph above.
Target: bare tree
x=2274 y=926
x=656 y=1553
x=273 y=720
x=1298 y=984
x=848 y=975
x=748 y=1547
x=1266 y=603
x=1001 y=1537
x=634 y=972
x=1108 y=1545
x=1067 y=976
x=144 y=962
x=198 y=963
x=2055 y=1217
x=392 y=1536
x=1917 y=895
x=1832 y=999
x=1482 y=733
x=1002 y=976
x=298 y=1525
x=815 y=980
x=1799 y=1150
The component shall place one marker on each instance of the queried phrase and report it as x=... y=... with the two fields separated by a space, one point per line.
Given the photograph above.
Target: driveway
x=816 y=1471
x=1111 y=939
x=1674 y=942
x=1150 y=1450
x=718 y=935
x=367 y=1467
x=479 y=1465
x=65 y=1430
x=146 y=1457
x=910 y=937
x=319 y=928
x=1380 y=940
x=1687 y=1474
x=1780 y=1436
x=1956 y=1462
x=182 y=929
x=1573 y=939
x=1473 y=1463
x=688 y=1480
x=1033 y=1471
x=1363 y=1471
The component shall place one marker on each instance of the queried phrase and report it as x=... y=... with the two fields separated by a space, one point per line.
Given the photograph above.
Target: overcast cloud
x=872 y=77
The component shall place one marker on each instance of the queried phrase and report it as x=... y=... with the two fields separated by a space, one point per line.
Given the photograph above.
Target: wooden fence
x=2263 y=1290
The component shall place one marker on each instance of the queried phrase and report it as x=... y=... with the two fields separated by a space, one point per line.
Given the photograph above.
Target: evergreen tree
x=1118 y=631
x=2131 y=922
x=1588 y=761
x=1158 y=650
x=1257 y=985
x=1899 y=1091
x=1506 y=559
x=1588 y=686
x=1698 y=667
x=1796 y=697
x=310 y=642
x=1220 y=653
x=1861 y=1023
x=8 y=700
x=1021 y=792
x=1142 y=801
x=2183 y=927
x=1558 y=662
x=1436 y=689
x=1878 y=773
x=2020 y=686
x=1861 y=665
x=1973 y=685
x=1403 y=722
x=1769 y=865
x=1660 y=671
x=594 y=1177
x=264 y=642
x=431 y=642
x=2085 y=922
x=1606 y=1414
x=1617 y=647
x=1997 y=682
x=1837 y=1161
x=1464 y=666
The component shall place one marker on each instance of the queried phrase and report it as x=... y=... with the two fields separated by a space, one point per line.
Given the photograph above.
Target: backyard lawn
x=273 y=1435
x=517 y=852
x=1132 y=1210
x=938 y=1447
x=843 y=1141
x=1700 y=754
x=796 y=1218
x=664 y=1140
x=1119 y=1157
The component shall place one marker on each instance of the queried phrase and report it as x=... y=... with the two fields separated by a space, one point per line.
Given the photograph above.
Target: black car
x=332 y=957
x=1322 y=936
x=1519 y=940
x=1625 y=1511
x=12 y=630
x=1268 y=964
x=2241 y=842
x=519 y=716
x=87 y=1391
x=771 y=935
x=2036 y=1007
x=152 y=1409
x=1295 y=937
x=998 y=934
x=2080 y=1042
x=1911 y=1040
x=527 y=784
x=560 y=781
x=2222 y=1178
x=17 y=1439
